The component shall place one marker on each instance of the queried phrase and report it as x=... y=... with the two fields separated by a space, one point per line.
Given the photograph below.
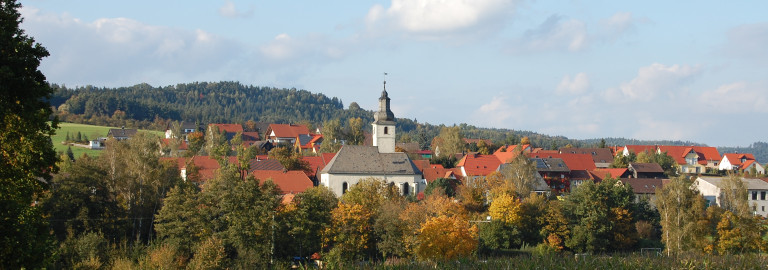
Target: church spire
x=384 y=114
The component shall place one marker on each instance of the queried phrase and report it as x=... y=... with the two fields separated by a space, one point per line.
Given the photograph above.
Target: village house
x=356 y=162
x=554 y=172
x=711 y=189
x=540 y=186
x=689 y=159
x=601 y=156
x=686 y=157
x=186 y=128
x=579 y=164
x=285 y=133
x=122 y=134
x=740 y=163
x=646 y=170
x=644 y=188
x=476 y=166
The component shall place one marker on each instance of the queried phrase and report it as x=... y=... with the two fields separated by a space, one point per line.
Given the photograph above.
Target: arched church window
x=344 y=187
x=386 y=130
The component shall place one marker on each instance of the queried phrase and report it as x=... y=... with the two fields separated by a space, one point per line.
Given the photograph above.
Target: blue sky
x=680 y=70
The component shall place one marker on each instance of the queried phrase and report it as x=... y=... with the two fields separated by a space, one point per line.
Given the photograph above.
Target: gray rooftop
x=357 y=159
x=750 y=183
x=122 y=132
x=550 y=165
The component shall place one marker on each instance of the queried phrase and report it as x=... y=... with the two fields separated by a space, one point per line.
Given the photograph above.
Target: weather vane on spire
x=385 y=81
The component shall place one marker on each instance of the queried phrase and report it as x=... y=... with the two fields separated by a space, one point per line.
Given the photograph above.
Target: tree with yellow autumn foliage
x=349 y=232
x=555 y=226
x=505 y=208
x=445 y=238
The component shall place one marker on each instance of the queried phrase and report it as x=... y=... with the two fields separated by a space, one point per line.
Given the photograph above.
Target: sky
x=650 y=70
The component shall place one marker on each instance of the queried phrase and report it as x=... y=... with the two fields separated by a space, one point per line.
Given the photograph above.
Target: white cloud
x=576 y=85
x=654 y=80
x=230 y=11
x=498 y=113
x=286 y=48
x=122 y=51
x=554 y=34
x=736 y=98
x=618 y=25
x=439 y=17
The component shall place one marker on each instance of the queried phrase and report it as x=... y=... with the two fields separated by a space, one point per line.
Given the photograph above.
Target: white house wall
x=336 y=181
x=725 y=165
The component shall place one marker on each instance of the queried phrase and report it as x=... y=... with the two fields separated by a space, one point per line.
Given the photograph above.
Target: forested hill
x=145 y=106
x=219 y=102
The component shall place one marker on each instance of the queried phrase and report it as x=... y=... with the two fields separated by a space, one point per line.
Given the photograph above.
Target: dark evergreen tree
x=25 y=145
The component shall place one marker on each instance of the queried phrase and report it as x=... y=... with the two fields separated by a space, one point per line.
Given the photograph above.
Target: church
x=355 y=162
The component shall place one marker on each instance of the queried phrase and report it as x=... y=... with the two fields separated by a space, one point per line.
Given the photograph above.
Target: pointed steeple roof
x=384 y=115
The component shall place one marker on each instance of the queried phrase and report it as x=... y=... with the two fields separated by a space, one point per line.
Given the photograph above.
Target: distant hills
x=146 y=106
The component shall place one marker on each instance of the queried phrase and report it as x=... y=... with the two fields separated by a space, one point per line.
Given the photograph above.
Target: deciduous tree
x=446 y=238
x=680 y=206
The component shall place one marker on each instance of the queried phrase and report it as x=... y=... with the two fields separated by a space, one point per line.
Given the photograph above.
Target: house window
x=386 y=130
x=762 y=195
x=405 y=189
x=754 y=195
x=344 y=187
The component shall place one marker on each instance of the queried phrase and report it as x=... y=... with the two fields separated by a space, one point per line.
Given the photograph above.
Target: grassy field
x=632 y=261
x=91 y=131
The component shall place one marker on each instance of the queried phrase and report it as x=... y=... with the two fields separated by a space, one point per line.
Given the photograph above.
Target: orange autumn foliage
x=446 y=238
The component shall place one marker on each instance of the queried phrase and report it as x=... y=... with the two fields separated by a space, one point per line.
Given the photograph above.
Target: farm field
x=91 y=131
x=569 y=261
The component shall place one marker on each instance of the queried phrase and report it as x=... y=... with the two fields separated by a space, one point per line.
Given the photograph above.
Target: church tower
x=384 y=125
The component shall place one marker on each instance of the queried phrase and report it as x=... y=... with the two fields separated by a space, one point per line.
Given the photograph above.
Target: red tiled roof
x=229 y=128
x=287 y=198
x=479 y=165
x=575 y=162
x=708 y=153
x=182 y=146
x=676 y=152
x=251 y=136
x=506 y=153
x=288 y=181
x=287 y=131
x=640 y=148
x=599 y=155
x=616 y=173
x=206 y=165
x=421 y=164
x=735 y=158
x=615 y=150
x=746 y=164
x=317 y=163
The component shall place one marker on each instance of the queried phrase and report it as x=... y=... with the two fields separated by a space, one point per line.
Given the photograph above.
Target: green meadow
x=91 y=131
